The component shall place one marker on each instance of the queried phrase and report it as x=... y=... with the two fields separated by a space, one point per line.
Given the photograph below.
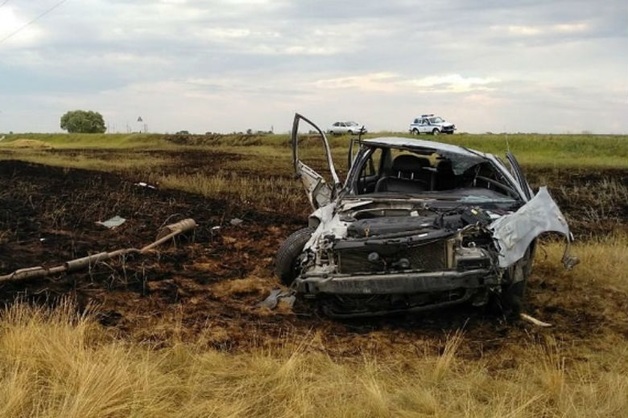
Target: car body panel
x=514 y=232
x=318 y=190
x=517 y=172
x=421 y=143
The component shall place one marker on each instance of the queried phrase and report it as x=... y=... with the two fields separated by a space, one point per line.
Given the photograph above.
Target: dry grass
x=27 y=143
x=603 y=261
x=57 y=363
x=135 y=163
x=265 y=193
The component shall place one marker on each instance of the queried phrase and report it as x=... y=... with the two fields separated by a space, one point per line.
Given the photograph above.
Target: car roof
x=401 y=142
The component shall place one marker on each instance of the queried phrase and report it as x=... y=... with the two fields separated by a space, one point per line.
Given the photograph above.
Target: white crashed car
x=416 y=225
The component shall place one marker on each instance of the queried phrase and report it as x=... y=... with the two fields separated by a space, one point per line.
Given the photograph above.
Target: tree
x=83 y=121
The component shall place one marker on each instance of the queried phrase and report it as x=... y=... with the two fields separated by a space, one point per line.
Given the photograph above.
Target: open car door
x=517 y=172
x=354 y=147
x=319 y=191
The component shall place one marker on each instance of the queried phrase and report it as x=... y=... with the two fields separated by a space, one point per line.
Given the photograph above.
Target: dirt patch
x=206 y=285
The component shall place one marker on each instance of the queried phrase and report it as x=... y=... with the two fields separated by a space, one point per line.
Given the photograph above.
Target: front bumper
x=396 y=283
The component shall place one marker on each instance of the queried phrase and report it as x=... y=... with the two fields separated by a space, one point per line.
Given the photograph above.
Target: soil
x=206 y=285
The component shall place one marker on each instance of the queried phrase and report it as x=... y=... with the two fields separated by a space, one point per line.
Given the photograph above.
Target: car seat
x=445 y=177
x=406 y=176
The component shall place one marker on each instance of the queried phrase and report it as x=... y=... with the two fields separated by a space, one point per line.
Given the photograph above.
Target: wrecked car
x=417 y=225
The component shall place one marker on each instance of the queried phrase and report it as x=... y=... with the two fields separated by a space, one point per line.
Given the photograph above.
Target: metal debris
x=278 y=295
x=142 y=184
x=236 y=221
x=534 y=321
x=112 y=223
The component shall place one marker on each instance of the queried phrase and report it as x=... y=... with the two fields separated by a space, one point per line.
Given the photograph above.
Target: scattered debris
x=142 y=184
x=112 y=223
x=236 y=221
x=171 y=230
x=276 y=295
x=534 y=321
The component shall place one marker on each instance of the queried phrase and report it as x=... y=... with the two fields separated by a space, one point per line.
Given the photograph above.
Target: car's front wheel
x=435 y=132
x=287 y=261
x=511 y=300
x=415 y=131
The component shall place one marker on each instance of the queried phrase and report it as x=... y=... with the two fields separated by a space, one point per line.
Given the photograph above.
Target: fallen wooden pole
x=166 y=233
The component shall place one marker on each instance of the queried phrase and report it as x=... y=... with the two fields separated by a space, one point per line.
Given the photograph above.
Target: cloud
x=15 y=27
x=486 y=65
x=393 y=82
x=374 y=82
x=543 y=30
x=454 y=83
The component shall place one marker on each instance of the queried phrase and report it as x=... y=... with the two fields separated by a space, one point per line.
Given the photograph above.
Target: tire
x=435 y=132
x=286 y=262
x=350 y=132
x=511 y=301
x=415 y=131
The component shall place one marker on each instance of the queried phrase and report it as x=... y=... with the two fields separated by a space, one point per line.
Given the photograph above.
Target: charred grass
x=177 y=332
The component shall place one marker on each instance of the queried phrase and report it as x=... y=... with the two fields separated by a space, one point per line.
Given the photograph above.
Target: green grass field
x=531 y=149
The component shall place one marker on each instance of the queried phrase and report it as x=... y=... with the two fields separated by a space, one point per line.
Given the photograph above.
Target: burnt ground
x=204 y=286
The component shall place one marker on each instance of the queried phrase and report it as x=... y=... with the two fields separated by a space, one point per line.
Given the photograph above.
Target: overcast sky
x=547 y=66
